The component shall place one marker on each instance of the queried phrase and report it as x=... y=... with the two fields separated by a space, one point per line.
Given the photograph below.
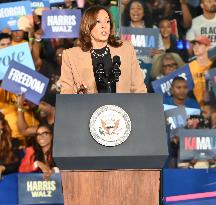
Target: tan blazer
x=77 y=70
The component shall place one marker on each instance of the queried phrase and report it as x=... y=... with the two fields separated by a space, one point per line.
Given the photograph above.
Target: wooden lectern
x=126 y=174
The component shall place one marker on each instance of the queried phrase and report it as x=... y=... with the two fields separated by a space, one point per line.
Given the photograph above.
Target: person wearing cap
x=200 y=66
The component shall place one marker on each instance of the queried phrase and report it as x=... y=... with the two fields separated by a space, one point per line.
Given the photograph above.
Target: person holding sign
x=38 y=157
x=100 y=60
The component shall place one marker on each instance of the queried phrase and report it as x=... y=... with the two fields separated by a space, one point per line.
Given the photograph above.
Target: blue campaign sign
x=63 y=23
x=143 y=39
x=145 y=65
x=9 y=189
x=39 y=4
x=212 y=75
x=189 y=186
x=56 y=1
x=189 y=111
x=176 y=117
x=20 y=53
x=163 y=85
x=20 y=79
x=33 y=189
x=14 y=15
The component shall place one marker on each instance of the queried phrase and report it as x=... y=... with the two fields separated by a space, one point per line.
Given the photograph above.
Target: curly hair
x=88 y=22
x=147 y=18
x=6 y=150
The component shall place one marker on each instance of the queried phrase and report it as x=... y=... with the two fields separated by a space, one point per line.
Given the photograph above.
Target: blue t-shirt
x=189 y=102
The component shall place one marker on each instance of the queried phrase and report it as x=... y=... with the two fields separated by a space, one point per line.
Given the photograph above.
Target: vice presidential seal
x=110 y=125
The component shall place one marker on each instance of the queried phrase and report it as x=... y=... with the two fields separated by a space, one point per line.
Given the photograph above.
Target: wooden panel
x=116 y=187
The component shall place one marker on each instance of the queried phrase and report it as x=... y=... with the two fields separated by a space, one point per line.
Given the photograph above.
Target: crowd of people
x=187 y=33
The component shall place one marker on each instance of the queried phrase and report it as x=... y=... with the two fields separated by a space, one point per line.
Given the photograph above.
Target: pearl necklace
x=98 y=55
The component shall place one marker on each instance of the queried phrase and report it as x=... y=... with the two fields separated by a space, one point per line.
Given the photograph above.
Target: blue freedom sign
x=163 y=85
x=143 y=39
x=39 y=4
x=20 y=53
x=20 y=79
x=33 y=189
x=63 y=23
x=14 y=15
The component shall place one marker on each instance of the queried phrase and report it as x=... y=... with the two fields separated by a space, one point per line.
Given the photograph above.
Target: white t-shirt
x=203 y=26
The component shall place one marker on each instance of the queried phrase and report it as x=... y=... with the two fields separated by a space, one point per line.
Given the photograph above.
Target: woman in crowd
x=38 y=157
x=88 y=68
x=136 y=15
x=10 y=154
x=170 y=42
x=165 y=64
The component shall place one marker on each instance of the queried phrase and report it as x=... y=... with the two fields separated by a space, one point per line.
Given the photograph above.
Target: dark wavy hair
x=88 y=22
x=6 y=150
x=147 y=15
x=39 y=155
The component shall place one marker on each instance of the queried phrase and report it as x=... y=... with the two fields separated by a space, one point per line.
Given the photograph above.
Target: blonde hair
x=157 y=63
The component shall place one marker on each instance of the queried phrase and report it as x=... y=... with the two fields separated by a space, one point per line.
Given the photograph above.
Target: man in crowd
x=179 y=90
x=204 y=24
x=46 y=111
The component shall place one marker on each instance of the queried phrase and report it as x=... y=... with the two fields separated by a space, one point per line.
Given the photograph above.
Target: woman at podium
x=100 y=63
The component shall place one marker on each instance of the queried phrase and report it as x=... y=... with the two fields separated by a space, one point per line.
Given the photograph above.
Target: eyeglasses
x=170 y=65
x=5 y=44
x=43 y=134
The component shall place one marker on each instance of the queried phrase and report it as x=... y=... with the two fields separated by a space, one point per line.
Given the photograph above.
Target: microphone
x=100 y=73
x=116 y=68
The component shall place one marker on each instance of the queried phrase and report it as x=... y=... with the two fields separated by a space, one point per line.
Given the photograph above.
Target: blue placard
x=56 y=1
x=20 y=53
x=212 y=75
x=163 y=85
x=189 y=186
x=176 y=117
x=143 y=39
x=12 y=14
x=63 y=23
x=20 y=79
x=33 y=189
x=145 y=65
x=39 y=4
x=9 y=190
x=189 y=111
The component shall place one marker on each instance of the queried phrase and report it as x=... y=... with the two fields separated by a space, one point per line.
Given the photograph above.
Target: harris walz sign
x=33 y=189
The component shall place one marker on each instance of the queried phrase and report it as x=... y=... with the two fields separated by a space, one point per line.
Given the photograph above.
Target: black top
x=102 y=56
x=180 y=49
